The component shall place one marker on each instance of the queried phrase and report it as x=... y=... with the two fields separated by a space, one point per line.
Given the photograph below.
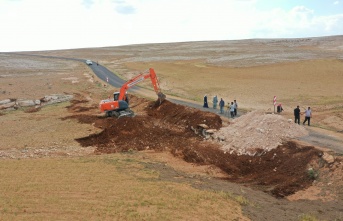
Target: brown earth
x=186 y=70
x=290 y=171
x=281 y=172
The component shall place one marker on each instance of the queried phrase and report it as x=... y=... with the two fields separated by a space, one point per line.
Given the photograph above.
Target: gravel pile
x=257 y=130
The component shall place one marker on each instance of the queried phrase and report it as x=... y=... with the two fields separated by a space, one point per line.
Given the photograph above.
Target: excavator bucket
x=161 y=98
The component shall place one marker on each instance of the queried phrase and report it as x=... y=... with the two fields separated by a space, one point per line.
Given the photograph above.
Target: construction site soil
x=167 y=127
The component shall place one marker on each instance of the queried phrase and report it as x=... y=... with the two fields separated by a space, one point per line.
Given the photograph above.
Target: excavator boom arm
x=139 y=78
x=118 y=104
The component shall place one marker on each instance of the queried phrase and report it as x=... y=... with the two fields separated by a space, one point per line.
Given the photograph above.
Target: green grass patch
x=313 y=173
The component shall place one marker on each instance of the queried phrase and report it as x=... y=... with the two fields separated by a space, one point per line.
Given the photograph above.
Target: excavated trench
x=167 y=127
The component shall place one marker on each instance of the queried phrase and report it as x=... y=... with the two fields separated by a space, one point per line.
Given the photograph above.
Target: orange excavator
x=119 y=107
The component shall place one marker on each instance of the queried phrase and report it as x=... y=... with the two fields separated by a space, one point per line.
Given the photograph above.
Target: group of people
x=297 y=113
x=308 y=115
x=231 y=106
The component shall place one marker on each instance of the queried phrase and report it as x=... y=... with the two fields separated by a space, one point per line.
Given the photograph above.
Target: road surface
x=316 y=137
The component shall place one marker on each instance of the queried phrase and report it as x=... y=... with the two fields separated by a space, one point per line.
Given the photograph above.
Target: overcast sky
x=28 y=25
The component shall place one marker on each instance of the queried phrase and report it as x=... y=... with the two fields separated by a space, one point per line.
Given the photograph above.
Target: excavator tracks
x=119 y=114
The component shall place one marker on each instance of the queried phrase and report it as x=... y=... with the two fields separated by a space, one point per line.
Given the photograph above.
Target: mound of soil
x=165 y=127
x=183 y=116
x=281 y=171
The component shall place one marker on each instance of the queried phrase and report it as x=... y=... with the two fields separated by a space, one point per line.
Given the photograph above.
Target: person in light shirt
x=232 y=110
x=308 y=115
x=215 y=102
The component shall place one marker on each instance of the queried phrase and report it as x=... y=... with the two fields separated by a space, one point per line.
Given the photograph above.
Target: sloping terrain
x=305 y=72
x=282 y=171
x=252 y=71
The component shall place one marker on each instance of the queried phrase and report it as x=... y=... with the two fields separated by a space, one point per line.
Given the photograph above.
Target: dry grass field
x=46 y=174
x=305 y=72
x=108 y=187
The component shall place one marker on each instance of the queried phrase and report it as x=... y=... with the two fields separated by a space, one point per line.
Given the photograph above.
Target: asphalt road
x=108 y=76
x=103 y=73
x=317 y=138
x=314 y=138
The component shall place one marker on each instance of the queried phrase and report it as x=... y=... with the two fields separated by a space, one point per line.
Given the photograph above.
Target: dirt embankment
x=281 y=171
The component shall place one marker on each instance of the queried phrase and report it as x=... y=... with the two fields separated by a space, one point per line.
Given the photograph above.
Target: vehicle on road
x=89 y=62
x=119 y=106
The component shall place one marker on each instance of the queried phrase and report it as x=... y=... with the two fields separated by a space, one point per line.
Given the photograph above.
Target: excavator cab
x=122 y=104
x=116 y=96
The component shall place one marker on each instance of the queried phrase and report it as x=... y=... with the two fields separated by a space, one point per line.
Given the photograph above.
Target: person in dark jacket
x=235 y=107
x=279 y=108
x=297 y=115
x=221 y=105
x=205 y=102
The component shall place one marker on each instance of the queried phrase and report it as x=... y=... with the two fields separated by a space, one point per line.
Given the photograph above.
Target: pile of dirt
x=183 y=116
x=257 y=131
x=164 y=127
x=281 y=171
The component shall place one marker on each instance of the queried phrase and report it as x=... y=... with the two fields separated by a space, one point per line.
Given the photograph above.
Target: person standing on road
x=221 y=105
x=308 y=115
x=205 y=101
x=235 y=107
x=232 y=110
x=215 y=102
x=227 y=109
x=297 y=115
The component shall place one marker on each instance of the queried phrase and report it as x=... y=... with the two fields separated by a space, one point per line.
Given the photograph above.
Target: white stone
x=7 y=105
x=328 y=158
x=26 y=103
x=5 y=101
